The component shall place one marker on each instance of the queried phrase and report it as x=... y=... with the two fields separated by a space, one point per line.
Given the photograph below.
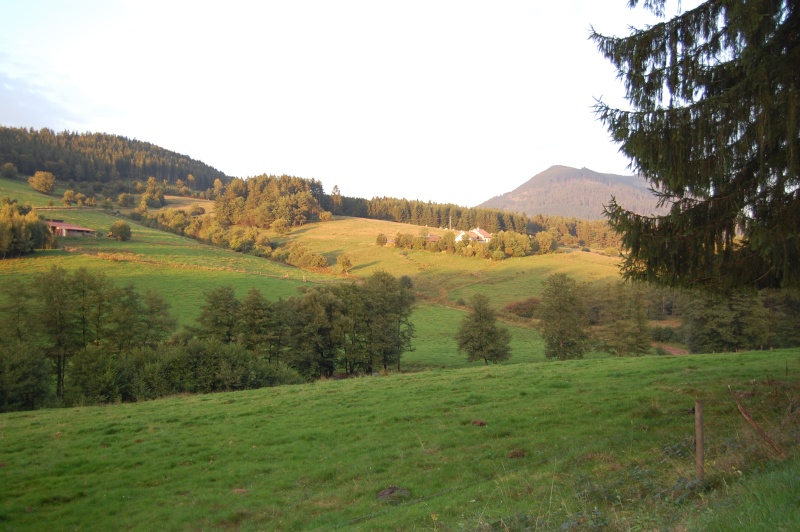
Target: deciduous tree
x=120 y=230
x=219 y=314
x=344 y=263
x=565 y=327
x=44 y=182
x=479 y=335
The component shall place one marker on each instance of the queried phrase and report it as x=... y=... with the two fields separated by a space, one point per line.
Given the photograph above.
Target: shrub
x=524 y=309
x=44 y=182
x=120 y=230
x=8 y=171
x=125 y=200
x=665 y=334
x=280 y=226
x=381 y=240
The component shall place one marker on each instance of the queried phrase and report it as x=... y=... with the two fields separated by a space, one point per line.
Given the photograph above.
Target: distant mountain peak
x=577 y=193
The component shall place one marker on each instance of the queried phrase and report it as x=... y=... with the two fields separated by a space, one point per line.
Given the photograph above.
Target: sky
x=445 y=101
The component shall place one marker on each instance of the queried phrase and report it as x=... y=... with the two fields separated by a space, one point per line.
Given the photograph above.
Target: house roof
x=68 y=227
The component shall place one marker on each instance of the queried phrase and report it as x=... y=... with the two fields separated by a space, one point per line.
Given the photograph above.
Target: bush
x=125 y=200
x=665 y=334
x=120 y=230
x=44 y=182
x=8 y=171
x=280 y=226
x=381 y=240
x=524 y=309
x=325 y=216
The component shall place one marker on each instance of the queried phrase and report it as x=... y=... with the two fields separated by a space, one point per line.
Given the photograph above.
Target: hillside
x=582 y=445
x=99 y=157
x=529 y=443
x=578 y=193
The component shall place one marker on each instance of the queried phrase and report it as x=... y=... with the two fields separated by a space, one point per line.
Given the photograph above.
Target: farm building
x=60 y=228
x=474 y=235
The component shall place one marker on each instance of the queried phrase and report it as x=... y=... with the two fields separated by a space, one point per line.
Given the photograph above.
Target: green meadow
x=19 y=190
x=583 y=445
x=530 y=444
x=443 y=277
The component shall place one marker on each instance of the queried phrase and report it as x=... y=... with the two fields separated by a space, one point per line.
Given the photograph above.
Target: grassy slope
x=19 y=190
x=182 y=270
x=604 y=442
x=589 y=429
x=442 y=276
x=179 y=268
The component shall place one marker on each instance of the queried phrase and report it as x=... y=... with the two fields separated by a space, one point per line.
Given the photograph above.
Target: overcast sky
x=448 y=101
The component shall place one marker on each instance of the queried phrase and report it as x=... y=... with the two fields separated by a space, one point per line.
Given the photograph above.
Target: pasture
x=574 y=445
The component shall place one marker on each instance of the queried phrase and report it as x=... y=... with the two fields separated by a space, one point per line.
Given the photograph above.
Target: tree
x=280 y=226
x=125 y=200
x=8 y=171
x=565 y=327
x=68 y=198
x=715 y=128
x=24 y=376
x=480 y=336
x=259 y=327
x=318 y=332
x=44 y=182
x=626 y=332
x=336 y=199
x=388 y=303
x=344 y=263
x=546 y=241
x=120 y=230
x=57 y=318
x=156 y=321
x=721 y=323
x=219 y=314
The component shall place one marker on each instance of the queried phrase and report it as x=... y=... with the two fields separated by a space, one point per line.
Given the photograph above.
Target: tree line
x=75 y=338
x=98 y=157
x=566 y=231
x=575 y=318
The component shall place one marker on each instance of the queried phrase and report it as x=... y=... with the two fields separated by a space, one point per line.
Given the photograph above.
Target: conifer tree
x=714 y=125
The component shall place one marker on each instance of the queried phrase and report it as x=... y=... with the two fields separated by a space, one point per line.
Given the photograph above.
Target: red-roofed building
x=475 y=235
x=60 y=228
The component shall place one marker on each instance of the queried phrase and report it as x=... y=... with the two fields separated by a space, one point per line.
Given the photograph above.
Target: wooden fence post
x=698 y=437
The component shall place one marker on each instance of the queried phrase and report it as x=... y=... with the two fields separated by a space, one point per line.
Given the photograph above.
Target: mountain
x=570 y=192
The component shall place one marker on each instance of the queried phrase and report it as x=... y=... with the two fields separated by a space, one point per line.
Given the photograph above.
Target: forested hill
x=99 y=157
x=570 y=192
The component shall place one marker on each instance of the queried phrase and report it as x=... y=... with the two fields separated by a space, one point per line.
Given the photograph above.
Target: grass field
x=442 y=276
x=20 y=190
x=573 y=445
x=178 y=268
x=591 y=444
